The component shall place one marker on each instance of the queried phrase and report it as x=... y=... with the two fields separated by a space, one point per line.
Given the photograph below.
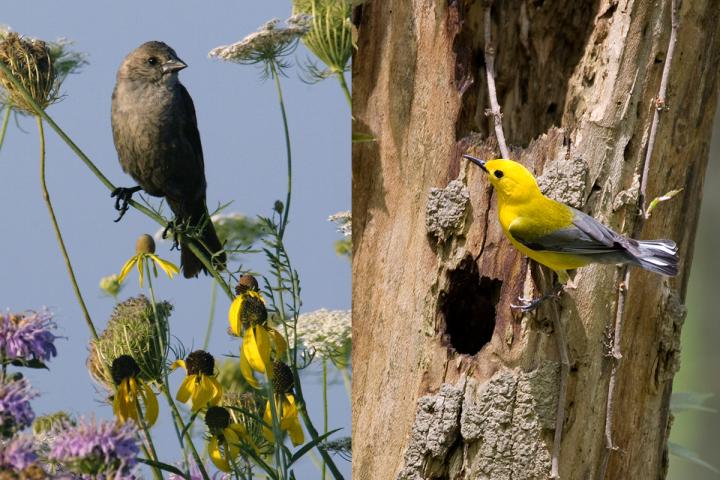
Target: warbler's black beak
x=173 y=65
x=476 y=161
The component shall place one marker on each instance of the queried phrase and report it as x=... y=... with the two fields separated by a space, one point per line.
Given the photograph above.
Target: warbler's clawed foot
x=528 y=304
x=171 y=227
x=122 y=198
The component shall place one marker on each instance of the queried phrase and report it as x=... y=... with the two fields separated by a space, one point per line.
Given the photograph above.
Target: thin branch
x=492 y=93
x=616 y=353
x=58 y=235
x=561 y=339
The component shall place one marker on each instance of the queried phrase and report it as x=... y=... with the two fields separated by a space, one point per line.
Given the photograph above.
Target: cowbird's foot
x=171 y=226
x=122 y=197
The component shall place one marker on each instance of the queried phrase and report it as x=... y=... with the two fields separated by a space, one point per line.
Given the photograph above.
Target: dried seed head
x=124 y=367
x=246 y=282
x=131 y=330
x=253 y=311
x=200 y=361
x=217 y=418
x=283 y=379
x=145 y=244
x=30 y=63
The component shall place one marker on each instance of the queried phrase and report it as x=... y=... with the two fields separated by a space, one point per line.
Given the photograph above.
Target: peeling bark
x=445 y=374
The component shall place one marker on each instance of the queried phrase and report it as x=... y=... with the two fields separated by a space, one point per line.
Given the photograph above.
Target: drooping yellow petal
x=151 y=406
x=202 y=393
x=279 y=343
x=126 y=268
x=247 y=371
x=256 y=347
x=141 y=268
x=186 y=389
x=231 y=443
x=234 y=315
x=216 y=455
x=218 y=392
x=178 y=363
x=243 y=434
x=169 y=268
x=120 y=403
x=290 y=421
x=267 y=419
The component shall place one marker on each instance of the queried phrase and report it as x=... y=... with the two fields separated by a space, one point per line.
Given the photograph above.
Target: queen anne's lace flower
x=327 y=332
x=27 y=336
x=270 y=41
x=98 y=449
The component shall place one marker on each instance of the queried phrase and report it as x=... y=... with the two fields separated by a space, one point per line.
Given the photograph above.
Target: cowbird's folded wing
x=189 y=127
x=584 y=235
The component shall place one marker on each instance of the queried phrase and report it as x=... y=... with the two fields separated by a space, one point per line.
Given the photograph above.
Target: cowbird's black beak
x=476 y=161
x=173 y=65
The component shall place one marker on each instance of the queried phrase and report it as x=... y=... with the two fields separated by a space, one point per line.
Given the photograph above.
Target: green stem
x=46 y=197
x=345 y=89
x=277 y=432
x=104 y=180
x=165 y=387
x=346 y=381
x=325 y=405
x=151 y=453
x=5 y=121
x=211 y=318
x=286 y=209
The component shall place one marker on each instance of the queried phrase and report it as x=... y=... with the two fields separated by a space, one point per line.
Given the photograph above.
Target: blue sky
x=241 y=131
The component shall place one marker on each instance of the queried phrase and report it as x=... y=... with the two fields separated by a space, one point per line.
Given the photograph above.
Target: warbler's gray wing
x=584 y=236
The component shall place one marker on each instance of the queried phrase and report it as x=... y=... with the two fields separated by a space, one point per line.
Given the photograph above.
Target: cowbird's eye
x=152 y=61
x=498 y=173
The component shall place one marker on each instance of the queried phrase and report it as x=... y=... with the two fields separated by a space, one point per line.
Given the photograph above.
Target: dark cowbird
x=158 y=144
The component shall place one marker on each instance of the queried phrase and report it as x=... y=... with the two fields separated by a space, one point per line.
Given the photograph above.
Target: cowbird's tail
x=659 y=256
x=197 y=222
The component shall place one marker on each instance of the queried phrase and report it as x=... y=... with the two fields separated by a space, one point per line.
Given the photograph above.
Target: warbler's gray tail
x=659 y=256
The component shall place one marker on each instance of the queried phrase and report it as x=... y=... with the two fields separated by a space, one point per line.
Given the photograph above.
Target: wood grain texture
x=584 y=71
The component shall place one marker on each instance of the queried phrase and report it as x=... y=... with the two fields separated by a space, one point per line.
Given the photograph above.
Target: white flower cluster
x=327 y=332
x=270 y=39
x=343 y=221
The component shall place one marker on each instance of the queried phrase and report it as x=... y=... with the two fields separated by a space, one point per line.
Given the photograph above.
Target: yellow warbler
x=561 y=237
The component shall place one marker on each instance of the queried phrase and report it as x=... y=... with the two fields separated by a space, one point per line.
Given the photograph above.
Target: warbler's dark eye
x=152 y=61
x=498 y=173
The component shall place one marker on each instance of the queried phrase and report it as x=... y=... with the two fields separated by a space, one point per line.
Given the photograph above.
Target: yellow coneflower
x=285 y=407
x=248 y=315
x=130 y=391
x=200 y=385
x=225 y=438
x=144 y=251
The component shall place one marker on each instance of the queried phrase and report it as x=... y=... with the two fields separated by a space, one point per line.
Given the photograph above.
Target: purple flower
x=27 y=336
x=15 y=410
x=17 y=454
x=98 y=450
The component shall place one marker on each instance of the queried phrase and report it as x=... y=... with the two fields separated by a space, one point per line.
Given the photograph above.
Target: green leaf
x=690 y=456
x=163 y=466
x=187 y=427
x=690 y=401
x=34 y=363
x=358 y=137
x=661 y=198
x=310 y=445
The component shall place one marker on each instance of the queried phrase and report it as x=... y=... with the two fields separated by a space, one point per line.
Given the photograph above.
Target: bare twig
x=660 y=106
x=561 y=340
x=492 y=93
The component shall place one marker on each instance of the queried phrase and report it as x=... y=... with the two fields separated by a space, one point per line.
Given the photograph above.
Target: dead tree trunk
x=448 y=382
